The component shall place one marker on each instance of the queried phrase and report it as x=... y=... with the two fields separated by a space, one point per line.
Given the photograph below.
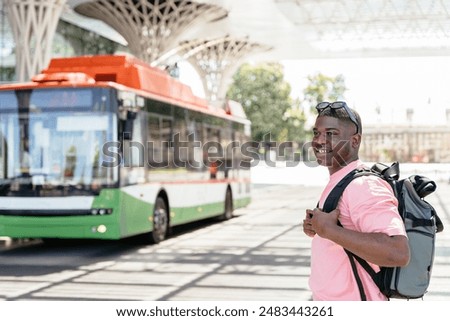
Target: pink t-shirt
x=367 y=205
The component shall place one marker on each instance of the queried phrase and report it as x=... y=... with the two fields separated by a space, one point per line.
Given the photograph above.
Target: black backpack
x=421 y=223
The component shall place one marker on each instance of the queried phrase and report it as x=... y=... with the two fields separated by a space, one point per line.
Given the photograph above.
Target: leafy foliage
x=265 y=97
x=324 y=88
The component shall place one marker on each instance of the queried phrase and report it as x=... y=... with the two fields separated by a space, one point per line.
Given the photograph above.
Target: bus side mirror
x=127 y=132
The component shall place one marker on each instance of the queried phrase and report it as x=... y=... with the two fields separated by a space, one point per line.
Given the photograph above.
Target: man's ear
x=356 y=140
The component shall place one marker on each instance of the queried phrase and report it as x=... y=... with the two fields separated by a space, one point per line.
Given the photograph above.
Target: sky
x=391 y=84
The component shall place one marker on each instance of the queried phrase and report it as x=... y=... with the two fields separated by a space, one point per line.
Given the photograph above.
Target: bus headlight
x=101 y=229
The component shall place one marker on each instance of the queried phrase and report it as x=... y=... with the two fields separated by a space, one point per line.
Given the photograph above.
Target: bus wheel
x=160 y=220
x=228 y=205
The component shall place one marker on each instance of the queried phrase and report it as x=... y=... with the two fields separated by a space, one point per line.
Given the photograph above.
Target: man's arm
x=378 y=248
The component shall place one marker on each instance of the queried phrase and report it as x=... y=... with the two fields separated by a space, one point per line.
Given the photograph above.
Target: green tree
x=295 y=119
x=323 y=88
x=265 y=97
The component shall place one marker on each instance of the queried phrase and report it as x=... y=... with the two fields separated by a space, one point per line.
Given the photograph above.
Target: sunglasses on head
x=338 y=105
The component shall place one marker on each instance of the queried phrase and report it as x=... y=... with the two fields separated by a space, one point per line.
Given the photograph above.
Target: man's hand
x=321 y=222
x=307 y=225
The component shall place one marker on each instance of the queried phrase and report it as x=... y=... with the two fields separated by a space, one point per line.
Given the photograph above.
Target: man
x=371 y=225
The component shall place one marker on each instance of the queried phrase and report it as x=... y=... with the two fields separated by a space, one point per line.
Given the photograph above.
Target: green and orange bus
x=107 y=147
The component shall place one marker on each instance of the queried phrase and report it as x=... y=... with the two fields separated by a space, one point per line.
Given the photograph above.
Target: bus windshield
x=51 y=141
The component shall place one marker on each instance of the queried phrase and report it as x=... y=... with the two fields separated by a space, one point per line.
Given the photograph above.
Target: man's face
x=335 y=143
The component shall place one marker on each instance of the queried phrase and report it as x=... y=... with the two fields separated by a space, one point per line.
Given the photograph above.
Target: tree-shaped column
x=216 y=60
x=33 y=23
x=150 y=27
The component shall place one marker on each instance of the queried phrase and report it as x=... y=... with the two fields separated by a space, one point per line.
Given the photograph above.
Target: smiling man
x=370 y=225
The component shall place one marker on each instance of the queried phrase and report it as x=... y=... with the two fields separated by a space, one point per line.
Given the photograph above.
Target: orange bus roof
x=125 y=70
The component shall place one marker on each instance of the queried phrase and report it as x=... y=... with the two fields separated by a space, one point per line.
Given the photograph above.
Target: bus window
x=49 y=151
x=136 y=145
x=8 y=100
x=134 y=168
x=3 y=156
x=195 y=138
x=154 y=148
x=213 y=151
x=166 y=131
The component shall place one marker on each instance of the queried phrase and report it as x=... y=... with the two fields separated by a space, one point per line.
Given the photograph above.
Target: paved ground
x=261 y=254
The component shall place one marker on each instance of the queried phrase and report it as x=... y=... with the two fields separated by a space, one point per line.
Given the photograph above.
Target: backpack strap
x=439 y=225
x=352 y=257
x=333 y=198
x=330 y=204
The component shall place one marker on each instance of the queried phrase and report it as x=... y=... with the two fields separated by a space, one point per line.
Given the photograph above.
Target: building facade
x=429 y=144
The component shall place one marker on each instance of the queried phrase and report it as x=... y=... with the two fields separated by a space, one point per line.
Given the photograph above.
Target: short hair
x=342 y=114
